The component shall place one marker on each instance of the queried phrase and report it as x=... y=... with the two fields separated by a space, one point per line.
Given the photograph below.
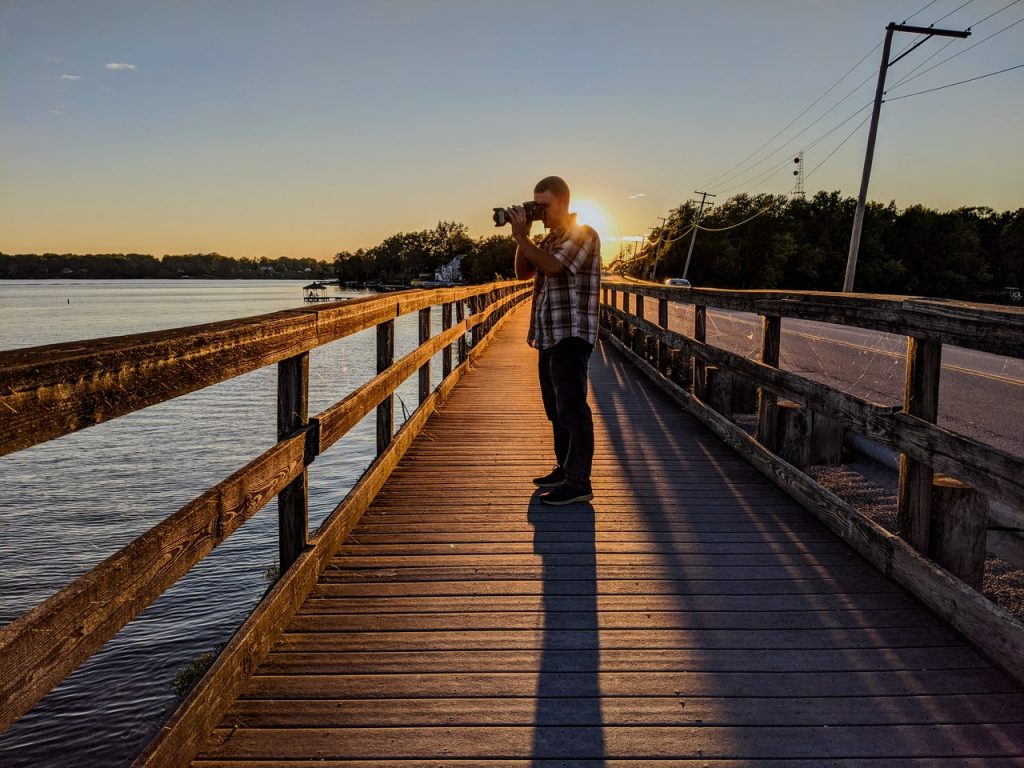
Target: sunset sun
x=593 y=215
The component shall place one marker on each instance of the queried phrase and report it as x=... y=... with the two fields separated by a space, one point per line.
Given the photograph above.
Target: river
x=68 y=504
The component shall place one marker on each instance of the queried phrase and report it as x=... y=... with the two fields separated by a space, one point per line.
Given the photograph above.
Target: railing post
x=700 y=332
x=386 y=410
x=639 y=336
x=446 y=355
x=921 y=399
x=767 y=402
x=663 y=322
x=425 y=368
x=292 y=415
x=460 y=316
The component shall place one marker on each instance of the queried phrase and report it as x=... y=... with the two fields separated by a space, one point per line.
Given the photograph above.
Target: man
x=566 y=267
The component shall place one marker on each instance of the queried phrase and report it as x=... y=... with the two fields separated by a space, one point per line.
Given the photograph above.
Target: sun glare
x=591 y=214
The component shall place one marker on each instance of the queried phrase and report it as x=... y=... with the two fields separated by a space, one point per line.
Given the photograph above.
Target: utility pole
x=693 y=238
x=858 y=217
x=657 y=248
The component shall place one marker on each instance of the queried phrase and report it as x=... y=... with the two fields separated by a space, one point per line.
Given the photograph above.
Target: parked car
x=1010 y=295
x=678 y=282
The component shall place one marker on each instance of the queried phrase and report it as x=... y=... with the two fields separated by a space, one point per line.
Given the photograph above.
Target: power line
x=959 y=53
x=861 y=123
x=918 y=12
x=952 y=12
x=763 y=176
x=791 y=122
x=1008 y=5
x=950 y=85
x=948 y=43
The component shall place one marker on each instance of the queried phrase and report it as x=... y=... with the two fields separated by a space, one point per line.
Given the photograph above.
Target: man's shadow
x=568 y=723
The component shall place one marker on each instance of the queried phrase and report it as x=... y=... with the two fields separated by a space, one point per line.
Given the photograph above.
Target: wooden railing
x=46 y=392
x=930 y=534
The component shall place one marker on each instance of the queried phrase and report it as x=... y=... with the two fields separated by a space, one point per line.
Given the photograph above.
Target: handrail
x=984 y=327
x=60 y=388
x=911 y=556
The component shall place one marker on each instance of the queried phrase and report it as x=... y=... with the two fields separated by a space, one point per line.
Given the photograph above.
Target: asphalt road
x=980 y=396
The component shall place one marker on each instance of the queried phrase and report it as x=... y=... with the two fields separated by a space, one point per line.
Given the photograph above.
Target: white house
x=450 y=272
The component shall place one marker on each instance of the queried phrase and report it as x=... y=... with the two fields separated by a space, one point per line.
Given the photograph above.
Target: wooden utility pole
x=657 y=248
x=858 y=217
x=693 y=238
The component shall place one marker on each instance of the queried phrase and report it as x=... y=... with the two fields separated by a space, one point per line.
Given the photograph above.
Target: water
x=68 y=504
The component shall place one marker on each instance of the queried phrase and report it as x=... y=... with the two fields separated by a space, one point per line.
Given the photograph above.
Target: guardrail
x=932 y=537
x=47 y=392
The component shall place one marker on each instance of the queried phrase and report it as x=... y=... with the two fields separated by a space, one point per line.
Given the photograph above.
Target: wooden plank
x=424 y=371
x=767 y=402
x=649 y=743
x=921 y=399
x=292 y=416
x=706 y=661
x=985 y=327
x=901 y=762
x=446 y=323
x=700 y=329
x=636 y=640
x=386 y=408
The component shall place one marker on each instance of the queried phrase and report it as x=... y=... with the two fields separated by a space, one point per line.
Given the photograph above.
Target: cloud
x=637 y=196
x=119 y=66
x=70 y=77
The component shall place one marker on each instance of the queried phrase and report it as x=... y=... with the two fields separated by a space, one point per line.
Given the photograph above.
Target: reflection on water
x=68 y=504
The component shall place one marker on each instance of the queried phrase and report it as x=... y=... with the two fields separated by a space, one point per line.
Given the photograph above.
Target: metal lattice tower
x=798 y=190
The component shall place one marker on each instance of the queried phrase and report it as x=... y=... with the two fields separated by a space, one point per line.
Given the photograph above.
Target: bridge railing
x=951 y=534
x=47 y=392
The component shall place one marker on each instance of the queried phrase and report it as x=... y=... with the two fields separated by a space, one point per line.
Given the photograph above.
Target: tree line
x=790 y=243
x=407 y=256
x=802 y=244
x=143 y=265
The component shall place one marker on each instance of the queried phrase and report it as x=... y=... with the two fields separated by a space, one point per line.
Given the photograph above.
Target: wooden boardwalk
x=693 y=615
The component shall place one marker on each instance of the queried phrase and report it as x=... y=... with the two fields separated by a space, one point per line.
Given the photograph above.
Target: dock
x=708 y=607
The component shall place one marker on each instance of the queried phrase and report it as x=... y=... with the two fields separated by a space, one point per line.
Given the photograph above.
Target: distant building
x=266 y=269
x=450 y=272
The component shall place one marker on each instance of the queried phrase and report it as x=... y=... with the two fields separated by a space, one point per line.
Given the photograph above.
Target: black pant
x=563 y=386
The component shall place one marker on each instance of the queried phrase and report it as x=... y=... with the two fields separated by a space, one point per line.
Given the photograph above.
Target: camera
x=534 y=212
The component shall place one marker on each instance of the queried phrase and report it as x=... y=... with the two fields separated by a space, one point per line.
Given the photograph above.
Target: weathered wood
x=386 y=410
x=43 y=646
x=57 y=389
x=663 y=322
x=446 y=355
x=827 y=439
x=463 y=346
x=921 y=399
x=993 y=471
x=793 y=434
x=959 y=525
x=985 y=327
x=718 y=389
x=180 y=738
x=767 y=413
x=993 y=630
x=292 y=416
x=700 y=330
x=424 y=376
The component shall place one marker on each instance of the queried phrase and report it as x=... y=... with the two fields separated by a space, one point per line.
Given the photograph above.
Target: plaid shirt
x=567 y=304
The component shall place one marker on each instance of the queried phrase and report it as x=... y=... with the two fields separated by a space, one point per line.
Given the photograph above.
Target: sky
x=304 y=128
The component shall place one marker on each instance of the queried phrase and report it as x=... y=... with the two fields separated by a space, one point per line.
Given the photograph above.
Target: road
x=980 y=396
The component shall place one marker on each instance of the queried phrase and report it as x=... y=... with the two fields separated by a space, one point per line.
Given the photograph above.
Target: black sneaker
x=566 y=494
x=551 y=480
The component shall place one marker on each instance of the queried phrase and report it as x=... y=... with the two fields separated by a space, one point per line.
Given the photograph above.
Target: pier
x=713 y=605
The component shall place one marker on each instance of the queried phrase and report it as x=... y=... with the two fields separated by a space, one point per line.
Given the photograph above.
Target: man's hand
x=520 y=225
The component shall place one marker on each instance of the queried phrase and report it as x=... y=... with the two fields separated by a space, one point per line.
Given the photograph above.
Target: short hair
x=555 y=185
